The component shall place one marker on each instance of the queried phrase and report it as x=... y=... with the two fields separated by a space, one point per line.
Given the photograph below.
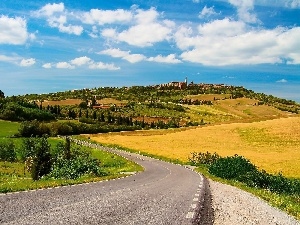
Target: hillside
x=164 y=106
x=272 y=145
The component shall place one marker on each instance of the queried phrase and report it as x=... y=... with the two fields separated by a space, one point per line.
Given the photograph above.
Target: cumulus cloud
x=207 y=12
x=117 y=53
x=56 y=16
x=223 y=27
x=101 y=17
x=103 y=66
x=50 y=9
x=167 y=59
x=217 y=44
x=81 y=61
x=13 y=31
x=134 y=58
x=245 y=8
x=47 y=66
x=146 y=31
x=64 y=65
x=27 y=62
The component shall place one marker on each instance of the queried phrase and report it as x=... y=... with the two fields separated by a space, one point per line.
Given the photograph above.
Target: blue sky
x=49 y=46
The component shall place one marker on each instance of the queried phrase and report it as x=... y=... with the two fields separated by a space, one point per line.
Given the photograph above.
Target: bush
x=207 y=158
x=240 y=169
x=42 y=158
x=274 y=183
x=75 y=167
x=73 y=164
x=232 y=167
x=7 y=151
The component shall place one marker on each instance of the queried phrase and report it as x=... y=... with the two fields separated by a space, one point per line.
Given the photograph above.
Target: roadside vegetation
x=279 y=191
x=254 y=143
x=41 y=162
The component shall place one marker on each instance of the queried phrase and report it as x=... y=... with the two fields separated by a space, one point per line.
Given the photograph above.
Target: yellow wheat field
x=272 y=145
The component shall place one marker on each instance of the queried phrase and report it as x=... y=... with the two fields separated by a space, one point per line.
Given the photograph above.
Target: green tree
x=2 y=94
x=42 y=159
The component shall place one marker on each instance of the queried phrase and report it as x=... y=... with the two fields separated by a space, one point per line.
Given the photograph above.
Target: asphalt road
x=163 y=194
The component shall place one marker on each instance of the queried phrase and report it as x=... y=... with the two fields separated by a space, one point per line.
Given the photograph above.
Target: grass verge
x=287 y=203
x=14 y=177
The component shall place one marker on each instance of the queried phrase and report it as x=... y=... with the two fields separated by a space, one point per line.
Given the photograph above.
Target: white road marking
x=195 y=199
x=197 y=195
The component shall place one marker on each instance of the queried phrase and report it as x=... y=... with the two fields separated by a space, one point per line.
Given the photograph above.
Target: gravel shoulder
x=234 y=206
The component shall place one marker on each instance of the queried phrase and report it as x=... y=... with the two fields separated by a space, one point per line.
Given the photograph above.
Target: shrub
x=241 y=169
x=42 y=158
x=232 y=167
x=27 y=149
x=206 y=158
x=7 y=151
x=274 y=183
x=75 y=167
x=73 y=163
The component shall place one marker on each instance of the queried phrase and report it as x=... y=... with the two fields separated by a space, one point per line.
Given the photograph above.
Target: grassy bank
x=14 y=176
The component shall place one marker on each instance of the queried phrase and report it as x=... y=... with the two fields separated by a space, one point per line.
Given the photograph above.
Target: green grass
x=288 y=203
x=8 y=128
x=14 y=177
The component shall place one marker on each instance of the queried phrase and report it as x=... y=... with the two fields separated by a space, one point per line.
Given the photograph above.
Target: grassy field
x=14 y=177
x=8 y=128
x=272 y=145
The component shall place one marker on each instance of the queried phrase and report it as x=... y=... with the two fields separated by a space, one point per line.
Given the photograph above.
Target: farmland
x=272 y=145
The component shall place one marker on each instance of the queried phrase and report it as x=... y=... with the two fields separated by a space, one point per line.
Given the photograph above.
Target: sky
x=50 y=46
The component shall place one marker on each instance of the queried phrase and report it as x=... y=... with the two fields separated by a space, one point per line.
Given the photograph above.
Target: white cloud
x=64 y=65
x=27 y=62
x=223 y=27
x=101 y=17
x=9 y=59
x=294 y=4
x=56 y=16
x=103 y=66
x=282 y=81
x=50 y=9
x=47 y=66
x=146 y=31
x=134 y=58
x=117 y=53
x=207 y=12
x=225 y=42
x=109 y=33
x=196 y=1
x=244 y=8
x=81 y=61
x=13 y=31
x=70 y=29
x=167 y=59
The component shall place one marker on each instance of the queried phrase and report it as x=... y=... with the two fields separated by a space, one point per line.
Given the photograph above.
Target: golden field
x=272 y=145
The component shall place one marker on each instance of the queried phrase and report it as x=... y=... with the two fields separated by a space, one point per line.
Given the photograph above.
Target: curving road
x=163 y=194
